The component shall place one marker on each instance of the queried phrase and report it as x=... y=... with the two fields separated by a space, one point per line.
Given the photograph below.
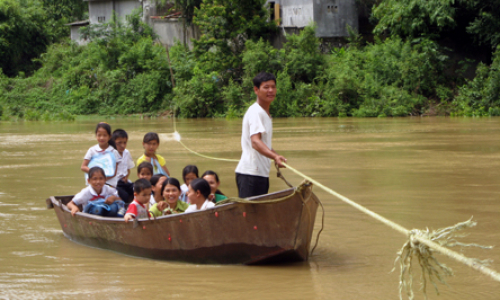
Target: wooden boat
x=270 y=228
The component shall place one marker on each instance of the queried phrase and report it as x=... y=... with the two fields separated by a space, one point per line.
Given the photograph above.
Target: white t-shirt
x=88 y=194
x=256 y=120
x=126 y=164
x=206 y=204
x=96 y=149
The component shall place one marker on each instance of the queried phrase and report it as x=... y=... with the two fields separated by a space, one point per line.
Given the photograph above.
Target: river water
x=418 y=172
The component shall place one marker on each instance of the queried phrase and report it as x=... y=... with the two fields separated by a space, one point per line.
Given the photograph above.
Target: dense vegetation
x=410 y=68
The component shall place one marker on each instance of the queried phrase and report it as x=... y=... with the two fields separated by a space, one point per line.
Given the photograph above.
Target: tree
x=23 y=35
x=188 y=7
x=225 y=25
x=27 y=27
x=413 y=18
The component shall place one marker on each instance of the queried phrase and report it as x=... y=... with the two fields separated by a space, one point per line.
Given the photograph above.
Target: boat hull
x=234 y=233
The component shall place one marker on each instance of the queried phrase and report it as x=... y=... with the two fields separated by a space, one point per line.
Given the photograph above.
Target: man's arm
x=259 y=145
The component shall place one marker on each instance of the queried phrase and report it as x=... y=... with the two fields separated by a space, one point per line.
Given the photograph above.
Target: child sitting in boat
x=156 y=184
x=170 y=191
x=145 y=171
x=213 y=180
x=189 y=173
x=97 y=198
x=124 y=186
x=198 y=193
x=137 y=209
x=103 y=154
x=150 y=143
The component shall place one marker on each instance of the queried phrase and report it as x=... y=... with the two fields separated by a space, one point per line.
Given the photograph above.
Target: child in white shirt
x=123 y=185
x=103 y=154
x=97 y=190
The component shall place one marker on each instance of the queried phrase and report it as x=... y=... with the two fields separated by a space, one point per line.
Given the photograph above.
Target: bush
x=391 y=78
x=481 y=96
x=200 y=96
x=122 y=71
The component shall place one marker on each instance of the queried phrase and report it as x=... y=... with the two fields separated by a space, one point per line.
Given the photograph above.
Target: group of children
x=111 y=193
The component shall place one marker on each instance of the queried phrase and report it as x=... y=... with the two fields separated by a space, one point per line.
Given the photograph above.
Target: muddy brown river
x=417 y=172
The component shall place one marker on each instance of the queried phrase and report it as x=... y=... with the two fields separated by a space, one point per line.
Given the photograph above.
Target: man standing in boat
x=252 y=172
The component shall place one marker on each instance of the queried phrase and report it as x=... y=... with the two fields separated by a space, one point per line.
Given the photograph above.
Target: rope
x=322 y=226
x=410 y=234
x=281 y=175
x=205 y=156
x=177 y=137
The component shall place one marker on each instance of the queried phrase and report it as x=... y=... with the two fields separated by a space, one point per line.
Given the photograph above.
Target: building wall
x=125 y=7
x=296 y=13
x=102 y=11
x=171 y=30
x=333 y=16
x=75 y=35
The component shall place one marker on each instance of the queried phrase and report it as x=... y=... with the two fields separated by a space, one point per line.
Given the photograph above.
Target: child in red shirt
x=137 y=209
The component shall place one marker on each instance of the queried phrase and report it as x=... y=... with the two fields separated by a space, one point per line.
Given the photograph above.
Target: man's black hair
x=263 y=77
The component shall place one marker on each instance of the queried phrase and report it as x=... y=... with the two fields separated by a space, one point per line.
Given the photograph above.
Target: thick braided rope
x=445 y=251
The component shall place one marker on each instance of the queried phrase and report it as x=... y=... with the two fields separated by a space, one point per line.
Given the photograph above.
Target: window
x=332 y=9
x=101 y=19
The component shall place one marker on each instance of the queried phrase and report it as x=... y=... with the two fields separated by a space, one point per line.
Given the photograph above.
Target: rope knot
x=421 y=244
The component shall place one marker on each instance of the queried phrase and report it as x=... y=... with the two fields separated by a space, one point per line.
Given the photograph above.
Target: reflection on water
x=418 y=172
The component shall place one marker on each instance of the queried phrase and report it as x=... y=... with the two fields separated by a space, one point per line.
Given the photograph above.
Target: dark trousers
x=125 y=191
x=250 y=185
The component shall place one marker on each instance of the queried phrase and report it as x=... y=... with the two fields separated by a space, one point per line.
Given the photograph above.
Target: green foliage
x=480 y=18
x=61 y=12
x=200 y=96
x=481 y=96
x=260 y=56
x=66 y=10
x=122 y=71
x=390 y=78
x=225 y=26
x=234 y=97
x=188 y=8
x=27 y=27
x=485 y=27
x=23 y=35
x=183 y=61
x=387 y=78
x=291 y=98
x=304 y=60
x=414 y=17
